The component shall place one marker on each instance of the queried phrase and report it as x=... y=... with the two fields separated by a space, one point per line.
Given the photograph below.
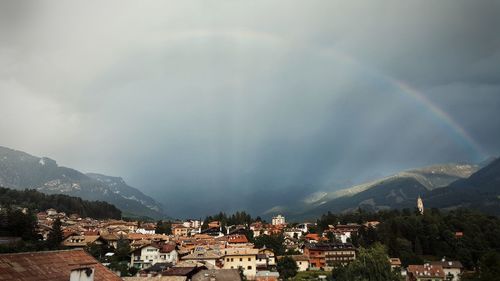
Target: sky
x=244 y=105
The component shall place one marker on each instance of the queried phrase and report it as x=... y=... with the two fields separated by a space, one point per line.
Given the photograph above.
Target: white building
x=304 y=227
x=146 y=230
x=301 y=261
x=452 y=269
x=278 y=220
x=149 y=255
x=51 y=212
x=293 y=233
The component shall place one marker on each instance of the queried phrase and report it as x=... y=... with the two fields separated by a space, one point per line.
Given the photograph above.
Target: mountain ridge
x=394 y=191
x=20 y=170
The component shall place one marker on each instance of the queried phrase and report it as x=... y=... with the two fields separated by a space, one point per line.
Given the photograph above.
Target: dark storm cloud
x=247 y=105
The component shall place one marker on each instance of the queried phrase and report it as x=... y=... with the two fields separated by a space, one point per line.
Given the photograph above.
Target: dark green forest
x=238 y=218
x=462 y=234
x=34 y=200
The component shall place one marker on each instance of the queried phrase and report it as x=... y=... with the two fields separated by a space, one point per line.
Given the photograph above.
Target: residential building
x=269 y=254
x=51 y=212
x=238 y=241
x=243 y=258
x=293 y=233
x=329 y=255
x=426 y=272
x=186 y=271
x=146 y=229
x=278 y=220
x=304 y=227
x=180 y=230
x=217 y=275
x=452 y=269
x=214 y=224
x=211 y=258
x=395 y=263
x=148 y=255
x=301 y=261
x=81 y=241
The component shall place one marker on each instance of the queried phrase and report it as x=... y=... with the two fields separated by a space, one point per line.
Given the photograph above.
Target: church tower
x=420 y=205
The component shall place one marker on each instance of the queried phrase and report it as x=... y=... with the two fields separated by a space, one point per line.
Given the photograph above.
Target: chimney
x=84 y=273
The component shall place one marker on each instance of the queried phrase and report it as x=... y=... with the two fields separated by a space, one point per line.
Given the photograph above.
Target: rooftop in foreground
x=50 y=265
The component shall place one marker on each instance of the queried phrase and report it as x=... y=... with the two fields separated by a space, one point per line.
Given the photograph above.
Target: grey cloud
x=211 y=105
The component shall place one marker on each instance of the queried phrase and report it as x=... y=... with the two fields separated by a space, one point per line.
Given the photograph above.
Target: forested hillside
x=35 y=200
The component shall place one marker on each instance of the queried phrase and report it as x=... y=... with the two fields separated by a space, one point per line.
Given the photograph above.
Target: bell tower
x=420 y=205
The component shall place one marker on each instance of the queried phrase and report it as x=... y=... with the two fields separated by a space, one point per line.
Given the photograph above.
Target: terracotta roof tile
x=50 y=265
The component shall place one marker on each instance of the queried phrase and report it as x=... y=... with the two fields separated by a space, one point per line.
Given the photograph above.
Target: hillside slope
x=396 y=191
x=20 y=170
x=480 y=191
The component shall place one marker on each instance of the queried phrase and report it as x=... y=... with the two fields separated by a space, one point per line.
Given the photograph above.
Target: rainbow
x=455 y=130
x=458 y=133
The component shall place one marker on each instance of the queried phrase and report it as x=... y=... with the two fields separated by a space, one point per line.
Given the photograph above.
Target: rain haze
x=244 y=105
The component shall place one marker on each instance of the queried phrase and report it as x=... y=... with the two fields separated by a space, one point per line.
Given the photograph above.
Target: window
x=249 y=259
x=227 y=259
x=232 y=259
x=241 y=259
x=249 y=267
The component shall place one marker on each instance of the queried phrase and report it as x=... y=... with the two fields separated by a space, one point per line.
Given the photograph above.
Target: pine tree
x=55 y=236
x=287 y=267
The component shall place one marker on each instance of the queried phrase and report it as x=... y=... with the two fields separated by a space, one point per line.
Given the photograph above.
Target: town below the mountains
x=389 y=245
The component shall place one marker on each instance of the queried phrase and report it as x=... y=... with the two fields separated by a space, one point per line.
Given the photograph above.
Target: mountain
x=20 y=170
x=38 y=201
x=479 y=191
x=396 y=191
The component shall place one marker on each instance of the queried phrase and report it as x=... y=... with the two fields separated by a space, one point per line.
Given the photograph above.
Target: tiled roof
x=426 y=270
x=167 y=248
x=181 y=271
x=50 y=266
x=329 y=246
x=313 y=236
x=79 y=240
x=237 y=238
x=203 y=255
x=448 y=264
x=395 y=261
x=299 y=258
x=241 y=252
x=219 y=275
x=156 y=278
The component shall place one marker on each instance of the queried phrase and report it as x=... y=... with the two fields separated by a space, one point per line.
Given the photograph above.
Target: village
x=197 y=250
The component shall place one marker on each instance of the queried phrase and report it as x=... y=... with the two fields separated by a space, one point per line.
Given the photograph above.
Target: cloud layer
x=247 y=104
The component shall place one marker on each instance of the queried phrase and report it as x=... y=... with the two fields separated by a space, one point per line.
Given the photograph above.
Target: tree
x=372 y=264
x=55 y=236
x=274 y=242
x=122 y=252
x=490 y=267
x=287 y=267
x=163 y=227
x=331 y=237
x=97 y=250
x=242 y=274
x=418 y=247
x=21 y=224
